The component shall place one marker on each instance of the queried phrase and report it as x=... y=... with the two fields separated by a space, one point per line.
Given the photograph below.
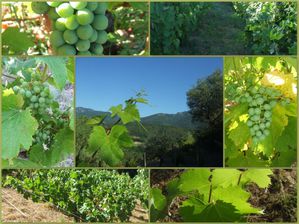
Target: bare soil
x=15 y=208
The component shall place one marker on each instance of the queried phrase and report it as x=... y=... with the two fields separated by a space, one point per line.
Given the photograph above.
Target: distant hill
x=181 y=119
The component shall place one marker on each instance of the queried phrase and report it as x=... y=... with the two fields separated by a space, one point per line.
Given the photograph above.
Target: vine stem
x=240 y=176
x=9 y=76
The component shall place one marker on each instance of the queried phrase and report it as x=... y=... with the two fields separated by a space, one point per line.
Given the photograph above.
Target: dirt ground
x=15 y=208
x=139 y=215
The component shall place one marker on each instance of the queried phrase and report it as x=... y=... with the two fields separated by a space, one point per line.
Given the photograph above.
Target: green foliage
x=210 y=195
x=205 y=100
x=171 y=23
x=35 y=124
x=259 y=95
x=271 y=27
x=14 y=41
x=109 y=143
x=89 y=195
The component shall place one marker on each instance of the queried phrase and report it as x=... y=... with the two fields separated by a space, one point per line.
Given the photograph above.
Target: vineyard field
x=86 y=195
x=223 y=28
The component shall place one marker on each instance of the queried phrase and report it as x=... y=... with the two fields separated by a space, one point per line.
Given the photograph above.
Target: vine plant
x=37 y=112
x=107 y=141
x=209 y=195
x=260 y=111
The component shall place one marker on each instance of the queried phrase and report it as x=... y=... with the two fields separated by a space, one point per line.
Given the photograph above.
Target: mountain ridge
x=180 y=119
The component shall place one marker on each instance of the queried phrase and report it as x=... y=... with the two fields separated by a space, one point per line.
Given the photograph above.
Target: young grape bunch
x=78 y=28
x=261 y=101
x=37 y=96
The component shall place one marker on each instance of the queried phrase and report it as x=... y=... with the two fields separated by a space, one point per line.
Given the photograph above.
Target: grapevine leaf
x=240 y=134
x=219 y=212
x=238 y=198
x=158 y=200
x=11 y=101
x=119 y=134
x=18 y=129
x=173 y=189
x=62 y=147
x=96 y=120
x=291 y=109
x=191 y=208
x=37 y=155
x=225 y=177
x=259 y=176
x=247 y=159
x=235 y=112
x=128 y=114
x=16 y=40
x=58 y=68
x=19 y=164
x=196 y=180
x=70 y=69
x=96 y=138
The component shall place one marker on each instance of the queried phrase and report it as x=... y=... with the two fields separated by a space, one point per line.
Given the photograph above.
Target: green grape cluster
x=37 y=96
x=78 y=27
x=261 y=101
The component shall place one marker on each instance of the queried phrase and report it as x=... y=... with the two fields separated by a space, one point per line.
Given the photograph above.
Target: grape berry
x=74 y=24
x=261 y=101
x=37 y=96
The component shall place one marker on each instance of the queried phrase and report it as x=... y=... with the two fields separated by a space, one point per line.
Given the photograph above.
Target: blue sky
x=105 y=82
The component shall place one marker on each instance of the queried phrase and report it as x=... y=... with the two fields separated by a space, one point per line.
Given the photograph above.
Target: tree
x=205 y=100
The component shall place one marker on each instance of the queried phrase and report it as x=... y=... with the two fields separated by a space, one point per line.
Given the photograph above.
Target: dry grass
x=27 y=210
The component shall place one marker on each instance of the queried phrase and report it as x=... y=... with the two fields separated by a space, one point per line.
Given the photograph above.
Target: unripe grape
x=102 y=37
x=16 y=89
x=56 y=38
x=53 y=4
x=260 y=101
x=97 y=49
x=262 y=126
x=256 y=127
x=249 y=123
x=100 y=22
x=71 y=23
x=78 y=5
x=83 y=45
x=36 y=105
x=258 y=133
x=65 y=10
x=92 y=6
x=251 y=111
x=70 y=36
x=22 y=92
x=267 y=114
x=94 y=36
x=33 y=98
x=101 y=9
x=28 y=94
x=84 y=17
x=60 y=24
x=85 y=32
x=266 y=132
x=86 y=53
x=36 y=89
x=41 y=100
x=257 y=111
x=66 y=50
x=267 y=107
